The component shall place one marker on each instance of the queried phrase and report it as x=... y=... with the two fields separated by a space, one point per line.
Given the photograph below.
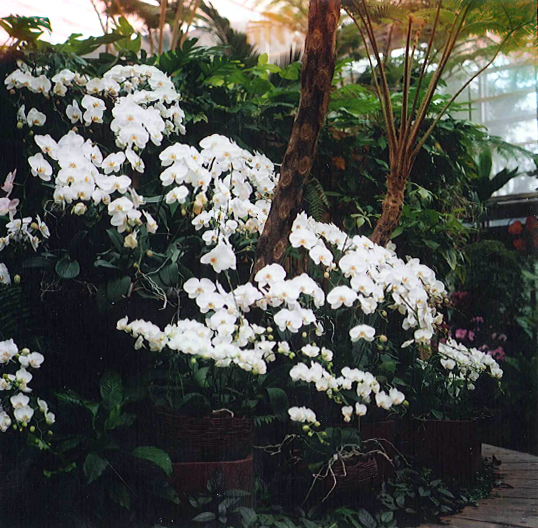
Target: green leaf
x=445 y=492
x=111 y=388
x=120 y=495
x=170 y=274
x=366 y=519
x=248 y=515
x=387 y=517
x=397 y=232
x=113 y=419
x=117 y=288
x=204 y=517
x=236 y=493
x=94 y=465
x=155 y=455
x=71 y=398
x=279 y=401
x=116 y=239
x=67 y=269
x=201 y=377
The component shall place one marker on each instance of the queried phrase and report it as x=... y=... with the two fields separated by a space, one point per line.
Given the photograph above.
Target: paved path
x=513 y=505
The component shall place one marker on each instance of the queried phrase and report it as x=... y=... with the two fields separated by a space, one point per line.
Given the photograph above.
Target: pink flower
x=470 y=335
x=461 y=333
x=498 y=354
x=8 y=206
x=8 y=183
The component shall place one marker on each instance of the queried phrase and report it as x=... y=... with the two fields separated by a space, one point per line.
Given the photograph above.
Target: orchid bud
x=383 y=313
x=17 y=279
x=20 y=124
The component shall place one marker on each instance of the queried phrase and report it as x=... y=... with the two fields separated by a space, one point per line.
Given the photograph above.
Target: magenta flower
x=461 y=333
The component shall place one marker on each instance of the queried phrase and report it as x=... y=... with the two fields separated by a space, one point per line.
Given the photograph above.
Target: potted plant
x=178 y=223
x=25 y=419
x=443 y=432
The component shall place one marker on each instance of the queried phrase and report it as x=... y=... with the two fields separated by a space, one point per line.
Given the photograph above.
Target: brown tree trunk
x=391 y=210
x=316 y=78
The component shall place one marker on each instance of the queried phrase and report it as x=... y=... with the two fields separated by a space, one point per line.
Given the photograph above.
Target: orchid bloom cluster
x=16 y=407
x=226 y=188
x=375 y=275
x=226 y=191
x=225 y=335
x=142 y=107
x=26 y=230
x=467 y=364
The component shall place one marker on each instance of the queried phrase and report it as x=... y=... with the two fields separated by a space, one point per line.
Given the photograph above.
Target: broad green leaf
x=204 y=517
x=155 y=455
x=279 y=401
x=397 y=232
x=120 y=495
x=170 y=274
x=117 y=288
x=67 y=269
x=94 y=466
x=111 y=388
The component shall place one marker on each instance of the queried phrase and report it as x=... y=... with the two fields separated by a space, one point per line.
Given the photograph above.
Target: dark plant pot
x=216 y=437
x=356 y=477
x=12 y=481
x=191 y=478
x=451 y=448
x=382 y=438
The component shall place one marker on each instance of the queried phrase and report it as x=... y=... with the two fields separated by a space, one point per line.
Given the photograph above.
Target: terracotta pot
x=216 y=437
x=191 y=478
x=450 y=447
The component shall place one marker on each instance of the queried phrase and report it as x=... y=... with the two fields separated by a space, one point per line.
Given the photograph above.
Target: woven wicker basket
x=217 y=437
x=354 y=476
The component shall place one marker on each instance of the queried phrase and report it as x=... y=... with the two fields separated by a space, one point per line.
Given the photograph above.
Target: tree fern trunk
x=316 y=78
x=391 y=211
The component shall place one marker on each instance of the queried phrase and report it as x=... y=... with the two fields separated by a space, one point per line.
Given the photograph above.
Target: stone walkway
x=513 y=505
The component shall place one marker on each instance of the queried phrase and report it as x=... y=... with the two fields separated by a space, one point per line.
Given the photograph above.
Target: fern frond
x=15 y=314
x=317 y=203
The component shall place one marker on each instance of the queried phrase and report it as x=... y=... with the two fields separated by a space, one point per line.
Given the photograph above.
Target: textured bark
x=391 y=211
x=316 y=78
